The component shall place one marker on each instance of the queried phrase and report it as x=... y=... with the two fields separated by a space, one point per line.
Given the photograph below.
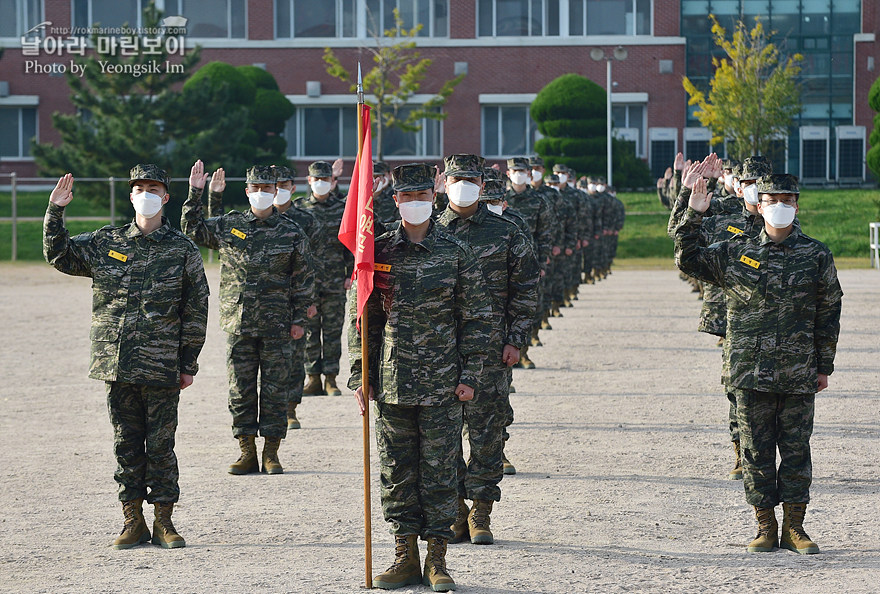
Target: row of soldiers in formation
x=457 y=301
x=771 y=295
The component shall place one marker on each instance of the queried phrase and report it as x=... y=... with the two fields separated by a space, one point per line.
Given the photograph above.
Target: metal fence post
x=14 y=216
x=112 y=200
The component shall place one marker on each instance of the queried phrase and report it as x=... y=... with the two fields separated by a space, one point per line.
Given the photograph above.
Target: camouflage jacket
x=783 y=305
x=430 y=320
x=384 y=206
x=539 y=215
x=595 y=202
x=565 y=227
x=336 y=262
x=618 y=211
x=149 y=298
x=510 y=269
x=266 y=281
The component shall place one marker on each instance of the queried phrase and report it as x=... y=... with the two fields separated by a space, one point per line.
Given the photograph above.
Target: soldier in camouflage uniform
x=564 y=236
x=149 y=315
x=539 y=214
x=511 y=271
x=430 y=330
x=783 y=320
x=384 y=207
x=324 y=332
x=266 y=288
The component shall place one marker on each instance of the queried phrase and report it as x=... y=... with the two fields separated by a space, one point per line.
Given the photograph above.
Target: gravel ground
x=620 y=441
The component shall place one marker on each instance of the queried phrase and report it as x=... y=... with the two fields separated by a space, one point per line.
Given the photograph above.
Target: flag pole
x=365 y=378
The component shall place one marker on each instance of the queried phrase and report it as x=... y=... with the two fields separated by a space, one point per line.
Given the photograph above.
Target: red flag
x=356 y=229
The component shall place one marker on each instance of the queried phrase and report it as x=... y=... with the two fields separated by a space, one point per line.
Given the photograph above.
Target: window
x=19 y=125
x=631 y=116
x=433 y=15
x=517 y=18
x=17 y=16
x=107 y=13
x=309 y=18
x=399 y=143
x=205 y=18
x=508 y=131
x=609 y=17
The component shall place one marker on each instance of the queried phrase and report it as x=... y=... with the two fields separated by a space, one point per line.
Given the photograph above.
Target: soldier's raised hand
x=63 y=192
x=699 y=199
x=218 y=180
x=439 y=181
x=197 y=175
x=691 y=174
x=336 y=168
x=679 y=162
x=714 y=169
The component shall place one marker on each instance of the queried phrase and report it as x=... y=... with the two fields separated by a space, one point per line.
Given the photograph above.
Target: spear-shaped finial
x=360 y=87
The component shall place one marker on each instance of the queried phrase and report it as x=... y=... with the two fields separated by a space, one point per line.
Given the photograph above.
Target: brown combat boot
x=436 y=574
x=507 y=465
x=292 y=421
x=330 y=387
x=554 y=311
x=524 y=361
x=478 y=522
x=271 y=465
x=768 y=529
x=460 y=527
x=793 y=536
x=135 y=531
x=545 y=324
x=536 y=342
x=737 y=473
x=247 y=462
x=405 y=571
x=313 y=386
x=164 y=533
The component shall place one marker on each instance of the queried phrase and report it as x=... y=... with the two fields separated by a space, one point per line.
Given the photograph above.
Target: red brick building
x=509 y=49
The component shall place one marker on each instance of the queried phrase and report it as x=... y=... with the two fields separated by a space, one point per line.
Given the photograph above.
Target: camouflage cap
x=147 y=171
x=464 y=165
x=729 y=164
x=754 y=167
x=778 y=183
x=321 y=169
x=283 y=173
x=517 y=164
x=552 y=179
x=536 y=162
x=260 y=174
x=491 y=173
x=737 y=170
x=560 y=168
x=380 y=168
x=413 y=177
x=493 y=189
x=596 y=179
x=581 y=183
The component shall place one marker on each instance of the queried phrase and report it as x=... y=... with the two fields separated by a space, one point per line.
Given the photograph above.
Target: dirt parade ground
x=620 y=442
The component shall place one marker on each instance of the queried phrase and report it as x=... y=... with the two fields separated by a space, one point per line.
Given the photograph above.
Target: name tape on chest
x=117 y=256
x=382 y=267
x=237 y=233
x=749 y=261
x=734 y=230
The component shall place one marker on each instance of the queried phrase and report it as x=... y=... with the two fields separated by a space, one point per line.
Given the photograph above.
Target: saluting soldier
x=383 y=196
x=266 y=287
x=511 y=270
x=149 y=316
x=430 y=331
x=783 y=320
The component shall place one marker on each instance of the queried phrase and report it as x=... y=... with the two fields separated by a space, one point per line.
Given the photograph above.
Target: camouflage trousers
x=587 y=257
x=768 y=421
x=264 y=414
x=324 y=335
x=297 y=371
x=554 y=283
x=418 y=451
x=732 y=422
x=573 y=270
x=144 y=420
x=485 y=419
x=614 y=239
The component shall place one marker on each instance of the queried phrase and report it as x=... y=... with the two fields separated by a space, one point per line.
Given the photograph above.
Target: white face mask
x=600 y=188
x=282 y=196
x=496 y=208
x=750 y=194
x=146 y=204
x=728 y=179
x=261 y=200
x=779 y=215
x=591 y=188
x=383 y=183
x=736 y=184
x=562 y=177
x=416 y=212
x=536 y=175
x=320 y=187
x=519 y=178
x=463 y=193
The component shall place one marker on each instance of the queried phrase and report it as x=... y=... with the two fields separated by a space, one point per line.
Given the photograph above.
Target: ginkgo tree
x=397 y=75
x=753 y=95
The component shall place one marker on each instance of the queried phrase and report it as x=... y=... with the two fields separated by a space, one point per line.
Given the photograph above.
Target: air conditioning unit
x=662 y=147
x=815 y=154
x=850 y=153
